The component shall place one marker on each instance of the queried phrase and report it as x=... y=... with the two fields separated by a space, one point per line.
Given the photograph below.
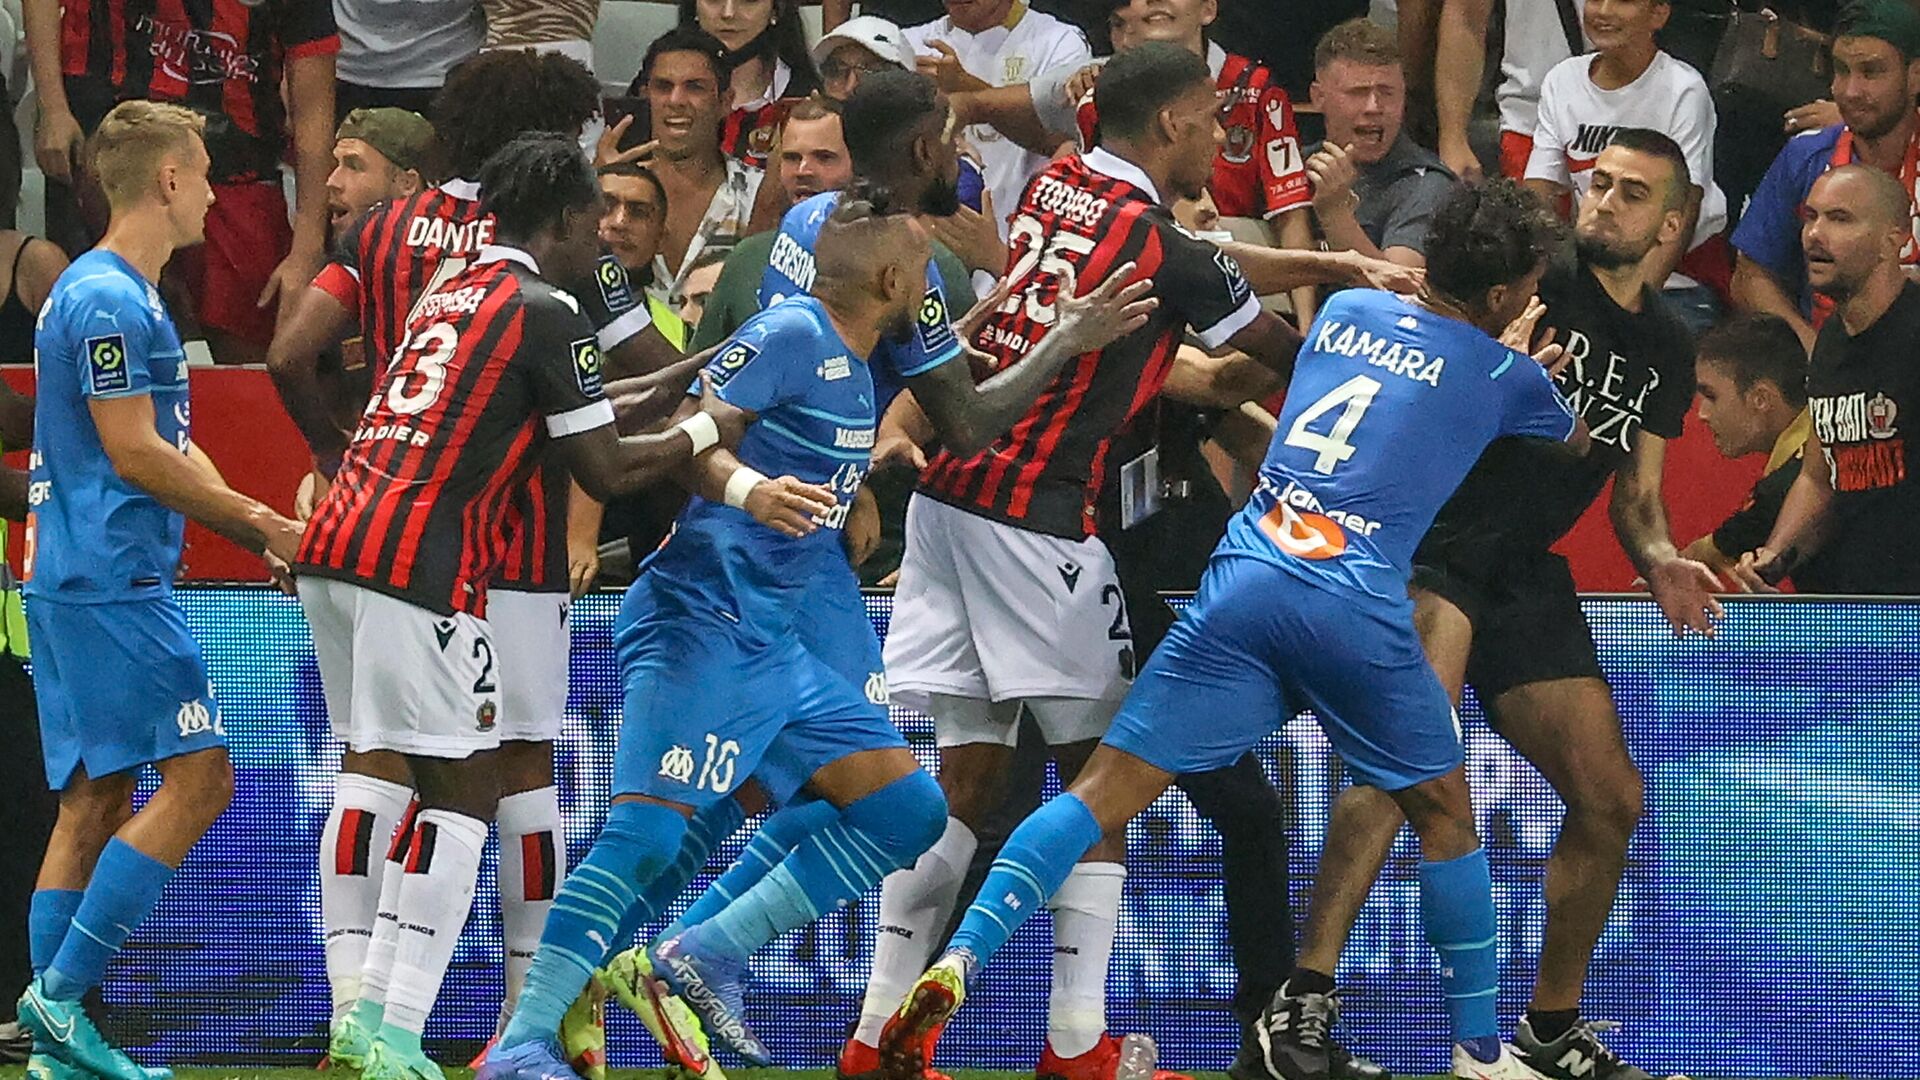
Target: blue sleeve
x=746 y=373
x=114 y=338
x=1769 y=229
x=1534 y=406
x=933 y=342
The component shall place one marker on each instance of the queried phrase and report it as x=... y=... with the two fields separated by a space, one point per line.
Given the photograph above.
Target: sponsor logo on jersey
x=724 y=367
x=586 y=366
x=677 y=765
x=1239 y=145
x=853 y=438
x=107 y=363
x=615 y=291
x=1069 y=573
x=834 y=368
x=194 y=718
x=484 y=716
x=443 y=633
x=1300 y=526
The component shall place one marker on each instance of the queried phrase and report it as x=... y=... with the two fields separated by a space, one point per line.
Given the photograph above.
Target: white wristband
x=702 y=430
x=741 y=484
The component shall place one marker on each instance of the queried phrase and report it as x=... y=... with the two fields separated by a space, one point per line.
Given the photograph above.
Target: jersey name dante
x=815 y=408
x=1389 y=406
x=790 y=273
x=91 y=536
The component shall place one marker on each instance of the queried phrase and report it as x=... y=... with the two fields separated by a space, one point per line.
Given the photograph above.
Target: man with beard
x=1858 y=476
x=1876 y=73
x=1496 y=610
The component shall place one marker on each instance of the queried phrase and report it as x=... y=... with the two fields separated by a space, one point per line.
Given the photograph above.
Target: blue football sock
x=1456 y=907
x=714 y=823
x=636 y=845
x=49 y=916
x=126 y=884
x=1036 y=859
x=873 y=837
x=771 y=844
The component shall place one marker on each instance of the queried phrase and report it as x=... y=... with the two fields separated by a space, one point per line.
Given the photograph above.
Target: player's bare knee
x=1441 y=812
x=202 y=783
x=469 y=786
x=524 y=766
x=1616 y=803
x=970 y=777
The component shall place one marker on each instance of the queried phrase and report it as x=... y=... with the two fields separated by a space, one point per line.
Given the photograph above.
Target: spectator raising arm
x=311 y=120
x=1457 y=70
x=57 y=138
x=1755 y=289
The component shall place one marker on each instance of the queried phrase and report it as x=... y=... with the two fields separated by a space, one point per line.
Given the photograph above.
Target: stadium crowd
x=1663 y=200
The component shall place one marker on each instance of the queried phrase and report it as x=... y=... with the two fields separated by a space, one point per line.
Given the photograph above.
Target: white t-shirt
x=1028 y=43
x=402 y=44
x=1535 y=42
x=1577 y=120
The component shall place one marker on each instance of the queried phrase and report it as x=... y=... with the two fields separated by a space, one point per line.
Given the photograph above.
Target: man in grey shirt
x=1374 y=188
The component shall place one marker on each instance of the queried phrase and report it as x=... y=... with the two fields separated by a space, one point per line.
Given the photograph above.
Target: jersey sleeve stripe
x=1218 y=334
x=951 y=352
x=597 y=414
x=626 y=327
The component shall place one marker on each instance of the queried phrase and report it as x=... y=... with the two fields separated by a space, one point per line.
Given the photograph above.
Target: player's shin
x=636 y=845
x=1456 y=908
x=1086 y=909
x=369 y=1011
x=358 y=830
x=771 y=844
x=436 y=894
x=1031 y=867
x=126 y=884
x=915 y=905
x=533 y=860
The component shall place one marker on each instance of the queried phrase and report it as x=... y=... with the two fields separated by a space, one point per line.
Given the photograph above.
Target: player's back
x=1389 y=407
x=449 y=437
x=815 y=407
x=404 y=250
x=91 y=536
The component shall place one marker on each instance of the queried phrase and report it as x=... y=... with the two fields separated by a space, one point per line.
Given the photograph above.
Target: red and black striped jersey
x=1259 y=171
x=495 y=362
x=1090 y=213
x=398 y=253
x=222 y=58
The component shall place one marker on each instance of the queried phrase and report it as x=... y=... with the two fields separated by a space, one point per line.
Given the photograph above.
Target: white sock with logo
x=1086 y=910
x=386 y=925
x=915 y=904
x=353 y=848
x=533 y=859
x=435 y=898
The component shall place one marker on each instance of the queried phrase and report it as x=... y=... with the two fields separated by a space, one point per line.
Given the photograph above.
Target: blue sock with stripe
x=1456 y=908
x=49 y=916
x=770 y=846
x=1036 y=859
x=712 y=824
x=637 y=844
x=125 y=886
x=873 y=837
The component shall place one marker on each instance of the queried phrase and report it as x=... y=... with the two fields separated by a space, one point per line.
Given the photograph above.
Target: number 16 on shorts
x=716 y=771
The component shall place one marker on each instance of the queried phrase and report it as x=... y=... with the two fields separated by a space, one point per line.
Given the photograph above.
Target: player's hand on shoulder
x=1684 y=590
x=1117 y=307
x=789 y=505
x=1370 y=273
x=731 y=421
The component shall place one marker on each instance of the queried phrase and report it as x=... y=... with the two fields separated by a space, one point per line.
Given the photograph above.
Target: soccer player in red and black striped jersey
x=227 y=60
x=499 y=370
x=1006 y=595
x=386 y=264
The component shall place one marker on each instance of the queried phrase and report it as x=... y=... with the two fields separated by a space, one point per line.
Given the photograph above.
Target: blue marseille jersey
x=816 y=413
x=103 y=333
x=790 y=273
x=1389 y=406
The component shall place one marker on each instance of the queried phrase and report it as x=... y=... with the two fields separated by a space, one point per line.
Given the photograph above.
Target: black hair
x=883 y=115
x=1660 y=145
x=496 y=96
x=1759 y=347
x=685 y=39
x=1489 y=234
x=1135 y=85
x=532 y=181
x=631 y=168
x=785 y=38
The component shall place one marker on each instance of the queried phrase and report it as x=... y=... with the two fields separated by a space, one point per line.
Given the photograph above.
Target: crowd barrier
x=1768 y=925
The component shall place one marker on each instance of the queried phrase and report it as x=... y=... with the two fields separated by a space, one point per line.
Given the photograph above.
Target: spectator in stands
x=1537 y=36
x=983 y=43
x=767 y=49
x=398 y=55
x=378 y=154
x=631 y=225
x=698 y=288
x=1630 y=83
x=1751 y=374
x=868 y=43
x=685 y=77
x=88 y=56
x=1374 y=188
x=1876 y=72
x=562 y=26
x=1857 y=496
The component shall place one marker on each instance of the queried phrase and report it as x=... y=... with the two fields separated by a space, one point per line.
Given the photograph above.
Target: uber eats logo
x=586 y=366
x=107 y=363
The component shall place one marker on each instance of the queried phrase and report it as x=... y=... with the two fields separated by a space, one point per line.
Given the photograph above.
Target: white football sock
x=915 y=905
x=386 y=923
x=353 y=847
x=1085 y=912
x=435 y=897
x=533 y=859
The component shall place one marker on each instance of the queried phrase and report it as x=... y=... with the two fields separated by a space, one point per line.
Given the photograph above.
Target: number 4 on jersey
x=1333 y=448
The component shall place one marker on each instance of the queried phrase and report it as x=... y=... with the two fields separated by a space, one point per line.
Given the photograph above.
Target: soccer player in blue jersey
x=119 y=678
x=1305 y=606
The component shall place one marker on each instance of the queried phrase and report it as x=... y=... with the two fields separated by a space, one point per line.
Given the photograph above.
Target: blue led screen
x=1769 y=923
